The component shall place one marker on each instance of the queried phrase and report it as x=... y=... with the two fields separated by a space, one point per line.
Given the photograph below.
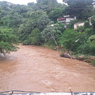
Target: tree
x=46 y=5
x=51 y=32
x=93 y=21
x=57 y=12
x=92 y=44
x=34 y=38
x=69 y=2
x=86 y=24
x=76 y=7
x=42 y=22
x=71 y=24
x=92 y=40
x=87 y=12
x=69 y=39
x=47 y=2
x=30 y=23
x=8 y=41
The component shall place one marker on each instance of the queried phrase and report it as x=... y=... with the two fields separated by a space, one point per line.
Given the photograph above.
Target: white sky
x=24 y=1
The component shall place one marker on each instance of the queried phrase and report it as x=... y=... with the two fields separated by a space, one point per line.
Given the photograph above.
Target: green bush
x=84 y=48
x=86 y=24
x=8 y=41
x=25 y=42
x=93 y=62
x=68 y=39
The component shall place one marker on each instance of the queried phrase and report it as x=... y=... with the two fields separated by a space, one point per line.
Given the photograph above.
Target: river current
x=40 y=69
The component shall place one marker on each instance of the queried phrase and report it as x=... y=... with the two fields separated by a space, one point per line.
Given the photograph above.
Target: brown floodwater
x=40 y=69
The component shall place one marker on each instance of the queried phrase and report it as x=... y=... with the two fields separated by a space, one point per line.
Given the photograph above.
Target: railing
x=18 y=92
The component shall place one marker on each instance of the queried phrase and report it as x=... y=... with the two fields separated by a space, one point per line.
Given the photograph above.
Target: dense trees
x=42 y=22
x=34 y=38
x=84 y=2
x=46 y=5
x=36 y=24
x=80 y=8
x=57 y=12
x=52 y=32
x=8 y=41
x=69 y=39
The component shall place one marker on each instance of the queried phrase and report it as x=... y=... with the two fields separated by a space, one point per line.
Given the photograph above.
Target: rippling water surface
x=34 y=68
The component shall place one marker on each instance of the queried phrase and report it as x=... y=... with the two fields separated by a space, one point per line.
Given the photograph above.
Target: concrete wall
x=76 y=25
x=68 y=20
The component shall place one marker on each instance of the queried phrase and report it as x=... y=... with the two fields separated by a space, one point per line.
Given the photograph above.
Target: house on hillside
x=89 y=19
x=76 y=25
x=93 y=4
x=66 y=19
x=65 y=3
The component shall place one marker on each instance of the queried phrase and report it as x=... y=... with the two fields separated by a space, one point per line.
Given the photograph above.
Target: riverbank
x=82 y=57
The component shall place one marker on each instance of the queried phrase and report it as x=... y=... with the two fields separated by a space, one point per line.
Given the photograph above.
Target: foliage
x=36 y=23
x=93 y=62
x=92 y=41
x=34 y=38
x=8 y=41
x=84 y=49
x=78 y=1
x=51 y=32
x=93 y=22
x=86 y=24
x=31 y=23
x=78 y=8
x=42 y=22
x=89 y=32
x=80 y=29
x=57 y=12
x=46 y=5
x=71 y=24
x=46 y=2
x=69 y=39
x=61 y=26
x=87 y=12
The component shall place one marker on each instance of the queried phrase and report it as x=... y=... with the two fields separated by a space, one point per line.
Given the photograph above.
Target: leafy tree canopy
x=34 y=38
x=92 y=40
x=68 y=38
x=77 y=7
x=8 y=41
x=56 y=12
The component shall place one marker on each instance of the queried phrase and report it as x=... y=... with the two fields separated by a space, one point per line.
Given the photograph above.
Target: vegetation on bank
x=36 y=24
x=8 y=41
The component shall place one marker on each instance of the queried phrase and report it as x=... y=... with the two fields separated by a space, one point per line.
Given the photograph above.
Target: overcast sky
x=24 y=1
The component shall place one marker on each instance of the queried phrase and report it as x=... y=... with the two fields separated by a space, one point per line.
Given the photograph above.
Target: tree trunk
x=55 y=41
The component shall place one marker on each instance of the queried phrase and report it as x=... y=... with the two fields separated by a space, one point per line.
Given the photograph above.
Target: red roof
x=61 y=19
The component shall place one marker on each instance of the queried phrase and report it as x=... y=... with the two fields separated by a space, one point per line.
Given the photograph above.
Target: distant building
x=65 y=4
x=66 y=19
x=93 y=4
x=90 y=20
x=76 y=25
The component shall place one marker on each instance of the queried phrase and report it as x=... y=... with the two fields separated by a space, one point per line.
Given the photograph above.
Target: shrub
x=93 y=62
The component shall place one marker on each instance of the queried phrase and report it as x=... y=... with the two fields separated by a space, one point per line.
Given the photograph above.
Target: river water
x=34 y=68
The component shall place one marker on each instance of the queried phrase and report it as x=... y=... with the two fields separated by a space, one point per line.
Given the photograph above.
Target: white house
x=66 y=19
x=69 y=19
x=93 y=4
x=76 y=25
x=90 y=20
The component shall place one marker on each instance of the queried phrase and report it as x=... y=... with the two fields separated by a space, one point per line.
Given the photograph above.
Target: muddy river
x=34 y=68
